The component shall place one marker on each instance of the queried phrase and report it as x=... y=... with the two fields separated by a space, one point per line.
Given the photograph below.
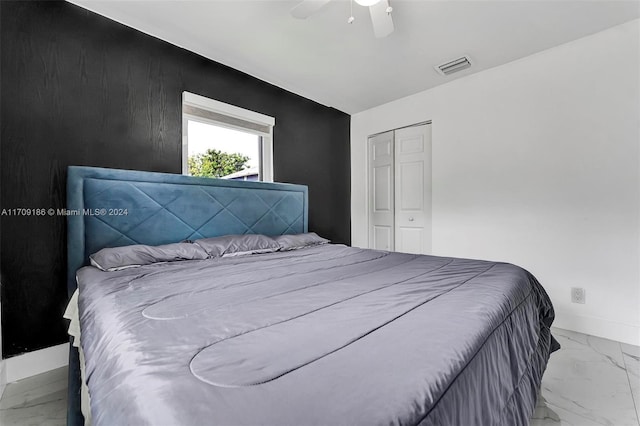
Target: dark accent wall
x=80 y=89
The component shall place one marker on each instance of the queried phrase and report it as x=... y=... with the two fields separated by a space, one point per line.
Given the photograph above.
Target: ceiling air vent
x=454 y=66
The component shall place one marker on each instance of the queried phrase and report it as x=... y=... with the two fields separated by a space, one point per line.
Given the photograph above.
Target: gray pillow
x=116 y=258
x=235 y=245
x=296 y=241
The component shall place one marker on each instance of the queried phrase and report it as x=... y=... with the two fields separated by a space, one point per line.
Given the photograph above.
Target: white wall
x=536 y=162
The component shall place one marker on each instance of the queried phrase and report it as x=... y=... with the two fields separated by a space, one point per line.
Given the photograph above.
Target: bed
x=321 y=335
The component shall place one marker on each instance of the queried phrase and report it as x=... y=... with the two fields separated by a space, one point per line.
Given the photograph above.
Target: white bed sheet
x=71 y=313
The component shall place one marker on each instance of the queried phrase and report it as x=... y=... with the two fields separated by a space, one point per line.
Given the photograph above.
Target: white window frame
x=235 y=116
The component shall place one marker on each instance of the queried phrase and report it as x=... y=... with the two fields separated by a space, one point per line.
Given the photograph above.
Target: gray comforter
x=327 y=335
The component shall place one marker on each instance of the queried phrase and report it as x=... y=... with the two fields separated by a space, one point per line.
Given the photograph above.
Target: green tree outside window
x=215 y=163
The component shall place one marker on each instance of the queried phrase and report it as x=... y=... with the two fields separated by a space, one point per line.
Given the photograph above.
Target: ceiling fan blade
x=307 y=8
x=382 y=22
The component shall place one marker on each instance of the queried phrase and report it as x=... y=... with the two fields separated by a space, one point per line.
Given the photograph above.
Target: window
x=225 y=141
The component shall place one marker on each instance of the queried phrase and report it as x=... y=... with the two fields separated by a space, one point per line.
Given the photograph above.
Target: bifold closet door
x=400 y=190
x=413 y=189
x=381 y=192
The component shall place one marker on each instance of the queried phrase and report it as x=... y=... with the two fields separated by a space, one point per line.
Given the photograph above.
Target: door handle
x=410 y=219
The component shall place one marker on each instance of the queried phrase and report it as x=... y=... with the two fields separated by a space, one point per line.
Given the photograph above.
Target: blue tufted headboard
x=111 y=208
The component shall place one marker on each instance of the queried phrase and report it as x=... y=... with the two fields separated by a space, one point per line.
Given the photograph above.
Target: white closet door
x=381 y=192
x=413 y=189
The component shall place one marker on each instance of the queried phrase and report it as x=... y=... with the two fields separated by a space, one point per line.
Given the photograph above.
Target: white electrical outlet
x=578 y=295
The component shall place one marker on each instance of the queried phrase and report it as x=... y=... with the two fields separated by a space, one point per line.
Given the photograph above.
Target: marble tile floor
x=35 y=401
x=590 y=381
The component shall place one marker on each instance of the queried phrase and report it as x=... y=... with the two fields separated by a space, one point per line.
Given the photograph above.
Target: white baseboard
x=3 y=377
x=36 y=362
x=612 y=330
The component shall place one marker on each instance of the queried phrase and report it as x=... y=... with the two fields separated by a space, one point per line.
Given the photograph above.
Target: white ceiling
x=344 y=66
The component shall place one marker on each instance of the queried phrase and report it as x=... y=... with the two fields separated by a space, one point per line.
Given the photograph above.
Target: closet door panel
x=411 y=239
x=410 y=186
x=382 y=189
x=382 y=237
x=413 y=190
x=381 y=192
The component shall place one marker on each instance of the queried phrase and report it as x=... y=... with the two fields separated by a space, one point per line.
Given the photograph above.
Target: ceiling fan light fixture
x=367 y=2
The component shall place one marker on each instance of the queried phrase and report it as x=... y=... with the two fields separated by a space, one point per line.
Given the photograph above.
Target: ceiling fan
x=379 y=9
